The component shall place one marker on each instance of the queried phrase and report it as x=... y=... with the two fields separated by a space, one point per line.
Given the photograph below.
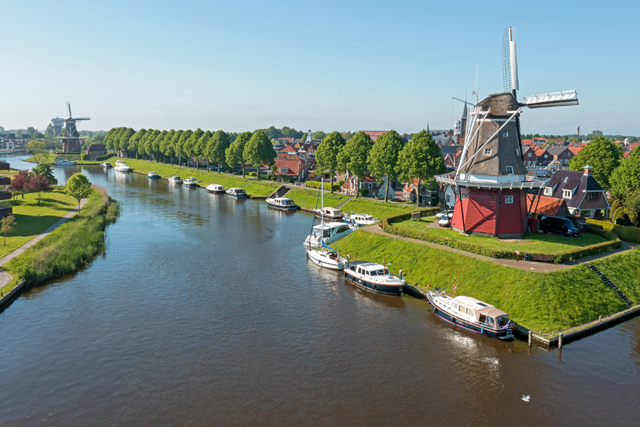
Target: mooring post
x=560 y=340
x=530 y=338
x=600 y=319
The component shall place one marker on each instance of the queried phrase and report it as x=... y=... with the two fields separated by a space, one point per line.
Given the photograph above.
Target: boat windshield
x=502 y=321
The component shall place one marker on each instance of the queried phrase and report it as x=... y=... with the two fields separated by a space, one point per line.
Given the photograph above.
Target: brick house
x=291 y=166
x=95 y=150
x=561 y=153
x=582 y=193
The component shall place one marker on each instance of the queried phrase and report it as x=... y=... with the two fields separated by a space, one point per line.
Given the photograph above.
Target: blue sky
x=330 y=65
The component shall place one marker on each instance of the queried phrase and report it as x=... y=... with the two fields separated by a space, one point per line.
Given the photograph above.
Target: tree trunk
x=5 y=239
x=330 y=185
x=418 y=194
x=357 y=187
x=386 y=191
x=219 y=164
x=243 y=170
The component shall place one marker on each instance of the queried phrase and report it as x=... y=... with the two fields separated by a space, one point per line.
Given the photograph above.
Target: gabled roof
x=544 y=205
x=289 y=149
x=575 y=150
x=573 y=180
x=526 y=141
x=556 y=150
x=97 y=147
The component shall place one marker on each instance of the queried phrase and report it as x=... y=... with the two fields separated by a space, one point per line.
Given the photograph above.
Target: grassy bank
x=624 y=272
x=49 y=157
x=534 y=242
x=32 y=219
x=69 y=247
x=540 y=301
x=260 y=189
x=308 y=199
x=378 y=209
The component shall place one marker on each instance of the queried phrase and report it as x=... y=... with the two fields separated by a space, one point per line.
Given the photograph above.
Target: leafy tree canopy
x=259 y=151
x=327 y=155
x=383 y=157
x=626 y=177
x=78 y=186
x=602 y=155
x=353 y=156
x=422 y=159
x=45 y=170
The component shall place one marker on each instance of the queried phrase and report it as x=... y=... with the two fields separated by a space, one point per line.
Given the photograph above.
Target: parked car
x=444 y=215
x=557 y=225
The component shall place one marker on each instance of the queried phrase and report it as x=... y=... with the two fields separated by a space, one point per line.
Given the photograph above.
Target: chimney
x=587 y=170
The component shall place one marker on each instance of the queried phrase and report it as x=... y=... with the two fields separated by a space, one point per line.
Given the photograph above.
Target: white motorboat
x=362 y=219
x=121 y=167
x=329 y=213
x=175 y=180
x=190 y=183
x=236 y=192
x=326 y=257
x=63 y=162
x=374 y=277
x=472 y=314
x=107 y=165
x=153 y=175
x=327 y=233
x=281 y=203
x=215 y=188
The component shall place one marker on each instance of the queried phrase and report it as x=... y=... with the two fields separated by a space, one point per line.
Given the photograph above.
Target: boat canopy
x=328 y=247
x=492 y=312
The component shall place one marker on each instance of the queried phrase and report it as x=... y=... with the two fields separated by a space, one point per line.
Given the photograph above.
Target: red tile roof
x=544 y=204
x=575 y=150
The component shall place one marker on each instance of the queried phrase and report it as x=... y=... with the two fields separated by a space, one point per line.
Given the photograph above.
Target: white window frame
x=548 y=191
x=566 y=194
x=593 y=195
x=508 y=199
x=509 y=168
x=487 y=151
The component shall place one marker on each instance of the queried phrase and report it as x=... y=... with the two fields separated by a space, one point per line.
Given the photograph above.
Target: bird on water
x=526 y=398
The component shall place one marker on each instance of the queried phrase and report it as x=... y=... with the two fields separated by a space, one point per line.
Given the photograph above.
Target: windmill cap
x=500 y=104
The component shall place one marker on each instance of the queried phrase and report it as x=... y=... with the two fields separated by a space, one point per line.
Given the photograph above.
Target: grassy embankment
x=378 y=209
x=253 y=188
x=49 y=157
x=69 y=247
x=540 y=301
x=32 y=219
x=534 y=242
x=308 y=199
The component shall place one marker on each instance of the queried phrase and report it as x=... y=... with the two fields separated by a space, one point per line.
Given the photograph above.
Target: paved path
x=6 y=277
x=540 y=267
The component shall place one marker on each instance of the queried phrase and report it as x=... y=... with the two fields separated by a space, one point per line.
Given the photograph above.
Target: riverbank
x=48 y=158
x=548 y=302
x=69 y=247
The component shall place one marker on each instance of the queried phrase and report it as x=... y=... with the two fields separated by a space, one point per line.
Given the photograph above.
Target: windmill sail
x=509 y=61
x=555 y=99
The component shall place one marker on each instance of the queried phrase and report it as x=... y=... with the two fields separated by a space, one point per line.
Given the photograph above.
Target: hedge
x=327 y=185
x=105 y=157
x=494 y=253
x=630 y=234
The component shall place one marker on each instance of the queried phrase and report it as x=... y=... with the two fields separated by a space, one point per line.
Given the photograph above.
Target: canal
x=204 y=311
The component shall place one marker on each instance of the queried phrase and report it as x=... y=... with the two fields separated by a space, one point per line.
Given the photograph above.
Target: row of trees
x=389 y=157
x=620 y=176
x=217 y=147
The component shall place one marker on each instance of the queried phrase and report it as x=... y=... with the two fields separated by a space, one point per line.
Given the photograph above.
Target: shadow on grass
x=45 y=202
x=27 y=225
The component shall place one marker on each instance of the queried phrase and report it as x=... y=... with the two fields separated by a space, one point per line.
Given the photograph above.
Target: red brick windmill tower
x=490 y=182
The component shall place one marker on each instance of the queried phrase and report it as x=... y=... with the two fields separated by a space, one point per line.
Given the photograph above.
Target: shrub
x=629 y=234
x=84 y=156
x=618 y=217
x=251 y=174
x=327 y=185
x=364 y=192
x=105 y=157
x=615 y=205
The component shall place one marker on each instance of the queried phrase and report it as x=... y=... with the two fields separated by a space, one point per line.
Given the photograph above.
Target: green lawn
x=624 y=272
x=49 y=157
x=378 y=209
x=259 y=189
x=535 y=242
x=308 y=199
x=32 y=219
x=167 y=170
x=540 y=301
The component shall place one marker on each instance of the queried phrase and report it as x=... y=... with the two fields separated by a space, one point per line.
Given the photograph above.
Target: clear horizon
x=335 y=66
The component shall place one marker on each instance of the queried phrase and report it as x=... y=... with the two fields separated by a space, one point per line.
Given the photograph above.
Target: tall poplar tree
x=218 y=145
x=353 y=156
x=166 y=148
x=193 y=145
x=182 y=148
x=327 y=154
x=383 y=158
x=235 y=152
x=421 y=159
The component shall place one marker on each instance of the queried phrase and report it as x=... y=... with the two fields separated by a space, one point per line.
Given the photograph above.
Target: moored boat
x=326 y=257
x=190 y=183
x=327 y=233
x=374 y=277
x=63 y=162
x=281 y=203
x=107 y=165
x=329 y=213
x=153 y=175
x=472 y=315
x=175 y=180
x=362 y=219
x=122 y=167
x=236 y=192
x=215 y=188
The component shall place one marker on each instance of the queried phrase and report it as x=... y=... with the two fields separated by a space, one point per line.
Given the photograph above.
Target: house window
x=594 y=195
x=545 y=156
x=563 y=154
x=509 y=170
x=284 y=170
x=529 y=155
x=505 y=134
x=508 y=199
x=448 y=198
x=487 y=151
x=547 y=191
x=586 y=214
x=566 y=194
x=517 y=152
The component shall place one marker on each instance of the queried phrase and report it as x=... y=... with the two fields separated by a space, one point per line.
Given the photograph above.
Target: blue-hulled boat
x=472 y=315
x=282 y=203
x=237 y=192
x=374 y=277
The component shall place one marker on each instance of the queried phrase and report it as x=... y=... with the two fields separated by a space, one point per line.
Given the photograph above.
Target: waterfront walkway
x=5 y=277
x=540 y=267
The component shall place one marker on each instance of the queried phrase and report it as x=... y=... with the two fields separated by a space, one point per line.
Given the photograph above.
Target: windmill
x=71 y=139
x=490 y=181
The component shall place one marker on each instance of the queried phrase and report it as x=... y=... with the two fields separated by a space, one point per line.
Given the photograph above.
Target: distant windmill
x=71 y=139
x=490 y=180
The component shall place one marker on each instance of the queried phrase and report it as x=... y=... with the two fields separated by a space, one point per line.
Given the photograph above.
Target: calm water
x=204 y=311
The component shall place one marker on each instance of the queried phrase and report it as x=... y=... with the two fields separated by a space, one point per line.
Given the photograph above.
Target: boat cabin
x=330 y=213
x=478 y=311
x=368 y=269
x=330 y=229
